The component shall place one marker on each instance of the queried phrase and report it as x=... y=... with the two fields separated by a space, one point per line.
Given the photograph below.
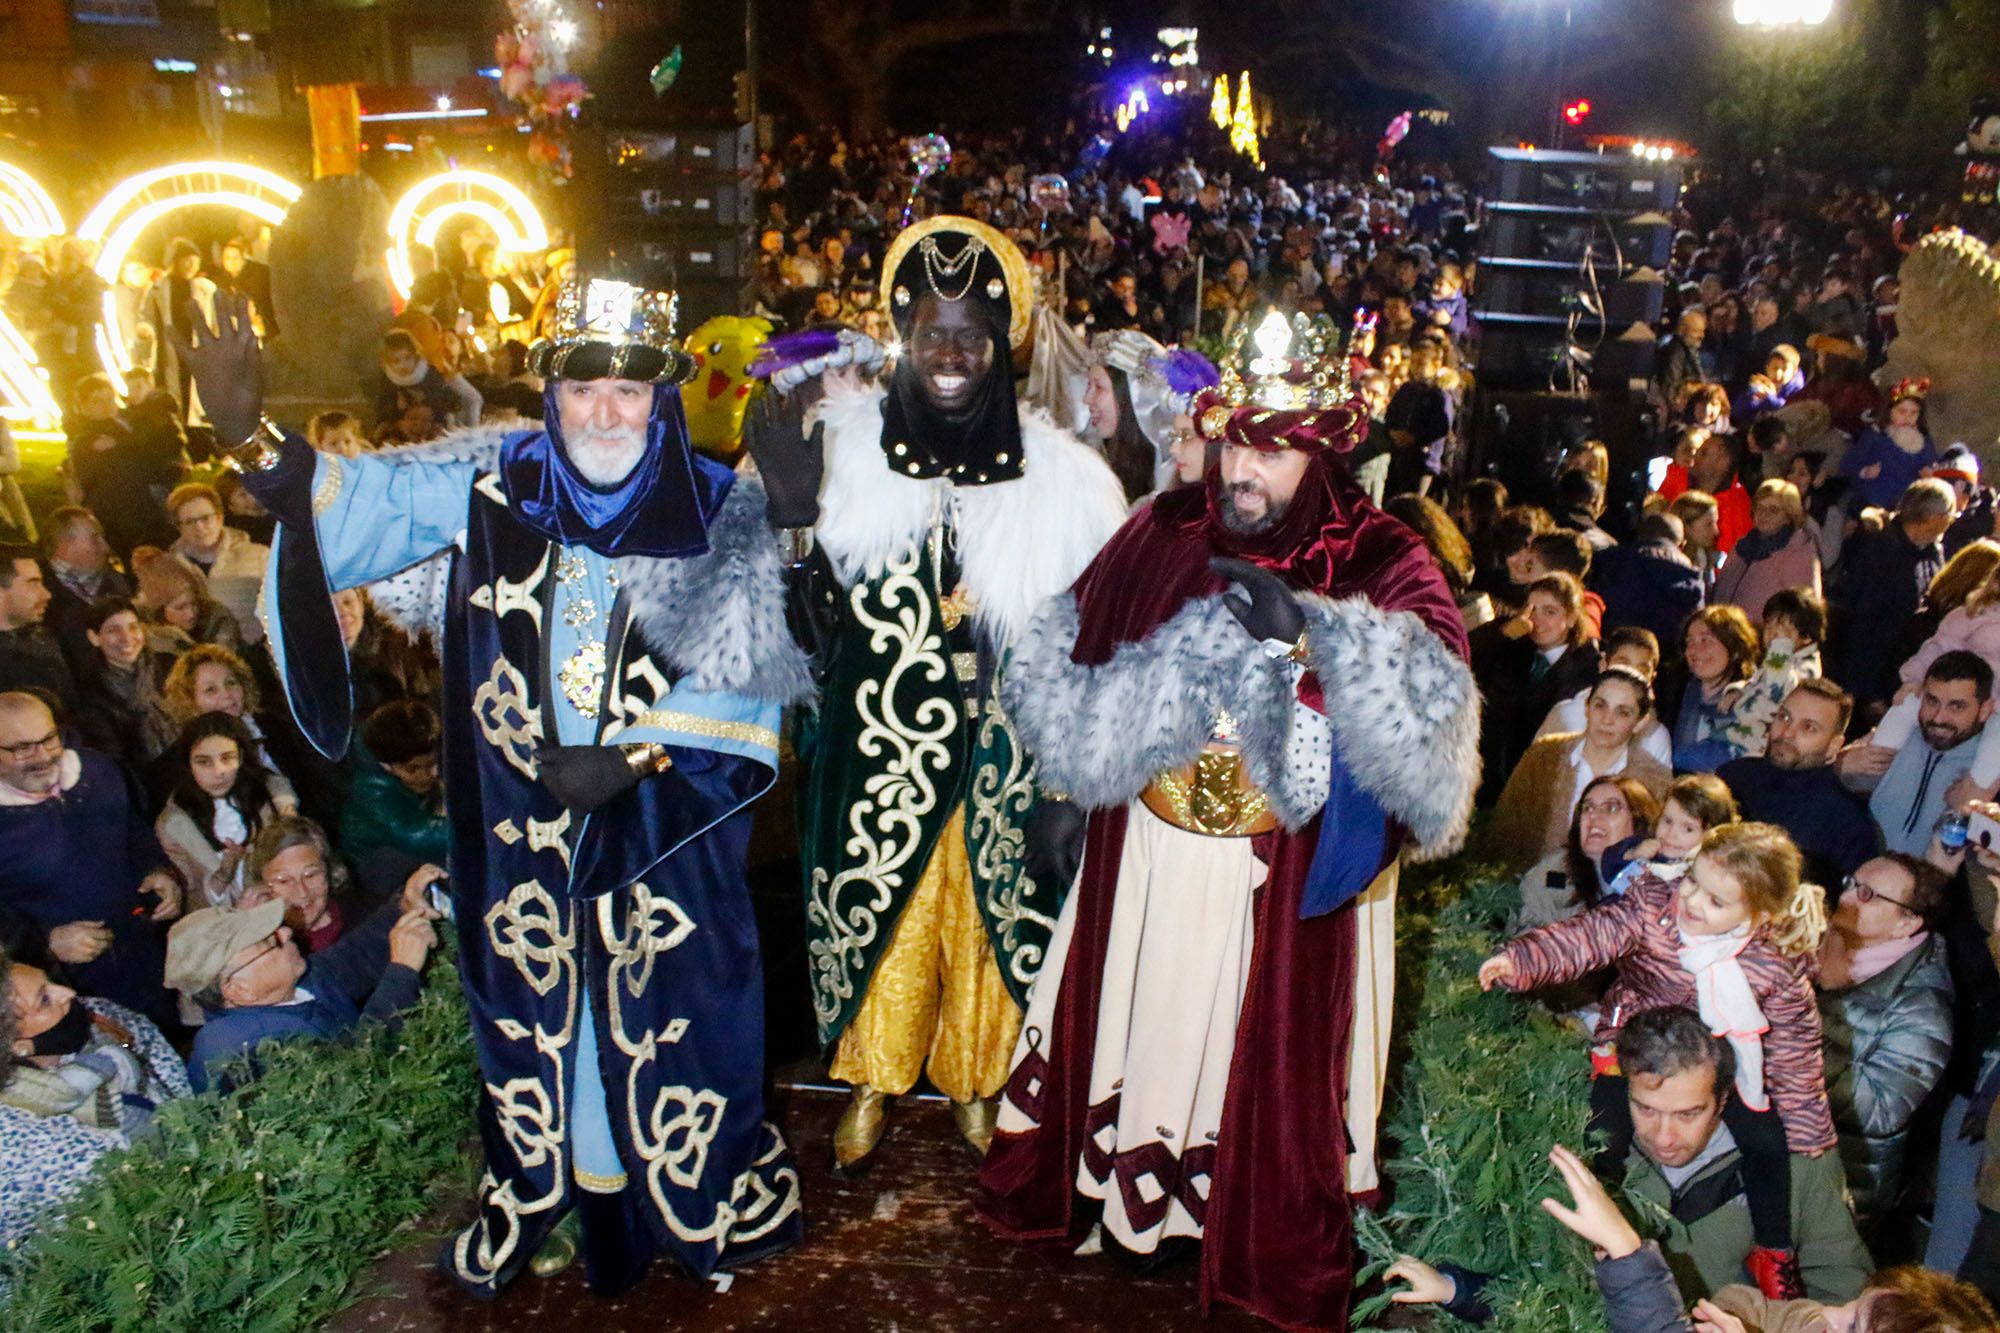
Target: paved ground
x=895 y=1251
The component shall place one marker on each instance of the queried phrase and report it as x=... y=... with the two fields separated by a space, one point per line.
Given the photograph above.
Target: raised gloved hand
x=1271 y=611
x=790 y=460
x=227 y=366
x=1054 y=851
x=584 y=777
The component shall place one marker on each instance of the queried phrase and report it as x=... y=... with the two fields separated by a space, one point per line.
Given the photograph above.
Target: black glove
x=789 y=460
x=1272 y=612
x=1054 y=851
x=584 y=777
x=227 y=367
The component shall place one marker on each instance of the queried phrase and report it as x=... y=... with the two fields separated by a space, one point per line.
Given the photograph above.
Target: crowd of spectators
x=1750 y=708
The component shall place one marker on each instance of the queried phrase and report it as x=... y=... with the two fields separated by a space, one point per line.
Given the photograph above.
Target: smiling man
x=1908 y=786
x=612 y=615
x=948 y=513
x=1230 y=780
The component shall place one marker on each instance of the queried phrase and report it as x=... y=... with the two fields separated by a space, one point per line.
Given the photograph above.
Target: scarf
x=1729 y=1006
x=975 y=447
x=411 y=380
x=662 y=508
x=1867 y=961
x=1754 y=545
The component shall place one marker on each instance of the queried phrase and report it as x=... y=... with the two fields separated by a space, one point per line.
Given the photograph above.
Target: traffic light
x=1576 y=111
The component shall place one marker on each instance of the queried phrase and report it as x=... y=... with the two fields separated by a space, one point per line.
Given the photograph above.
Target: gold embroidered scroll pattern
x=996 y=803
x=886 y=822
x=509 y=722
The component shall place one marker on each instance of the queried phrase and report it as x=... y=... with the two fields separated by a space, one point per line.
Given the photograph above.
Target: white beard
x=1908 y=438
x=605 y=458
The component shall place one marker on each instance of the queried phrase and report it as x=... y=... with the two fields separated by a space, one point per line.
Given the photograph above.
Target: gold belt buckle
x=1211 y=797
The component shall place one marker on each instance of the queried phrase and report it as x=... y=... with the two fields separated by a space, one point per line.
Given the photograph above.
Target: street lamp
x=1783 y=13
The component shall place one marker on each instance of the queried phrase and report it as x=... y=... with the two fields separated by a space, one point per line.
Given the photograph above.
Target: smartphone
x=437 y=894
x=1983 y=831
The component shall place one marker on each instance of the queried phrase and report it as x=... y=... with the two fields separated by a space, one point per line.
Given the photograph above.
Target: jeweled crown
x=1286 y=365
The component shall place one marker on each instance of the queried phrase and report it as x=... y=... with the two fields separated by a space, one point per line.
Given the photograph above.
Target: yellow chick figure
x=719 y=394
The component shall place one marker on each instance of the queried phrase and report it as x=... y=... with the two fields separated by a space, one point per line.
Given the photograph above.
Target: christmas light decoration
x=429 y=204
x=1243 y=124
x=1218 y=103
x=137 y=202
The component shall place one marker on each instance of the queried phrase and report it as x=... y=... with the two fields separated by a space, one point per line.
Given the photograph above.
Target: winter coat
x=1976 y=632
x=1750 y=583
x=236 y=577
x=1899 y=468
x=1516 y=703
x=381 y=812
x=1887 y=1043
x=1652 y=586
x=1707 y=1235
x=1640 y=1296
x=1533 y=814
x=1748 y=723
x=1883 y=576
x=1637 y=932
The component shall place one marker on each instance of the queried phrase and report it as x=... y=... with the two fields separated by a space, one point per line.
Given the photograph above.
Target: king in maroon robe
x=1357 y=746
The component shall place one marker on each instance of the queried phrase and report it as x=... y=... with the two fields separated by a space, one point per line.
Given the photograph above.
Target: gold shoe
x=559 y=1250
x=976 y=1120
x=861 y=1126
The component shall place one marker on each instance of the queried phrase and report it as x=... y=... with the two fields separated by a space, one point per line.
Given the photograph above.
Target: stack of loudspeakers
x=1571 y=258
x=670 y=209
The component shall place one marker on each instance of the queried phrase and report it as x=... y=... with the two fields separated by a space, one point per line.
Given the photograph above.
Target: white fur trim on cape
x=1405 y=714
x=1404 y=710
x=1102 y=733
x=1019 y=542
x=718 y=618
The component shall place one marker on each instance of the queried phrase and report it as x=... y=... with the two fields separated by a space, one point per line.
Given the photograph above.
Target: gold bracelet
x=647 y=758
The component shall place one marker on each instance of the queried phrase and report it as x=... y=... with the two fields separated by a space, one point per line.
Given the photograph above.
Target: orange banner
x=335 y=109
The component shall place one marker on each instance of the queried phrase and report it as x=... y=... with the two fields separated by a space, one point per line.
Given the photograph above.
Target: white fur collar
x=1019 y=542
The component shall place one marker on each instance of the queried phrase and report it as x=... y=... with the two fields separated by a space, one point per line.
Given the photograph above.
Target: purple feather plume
x=793 y=349
x=1188 y=373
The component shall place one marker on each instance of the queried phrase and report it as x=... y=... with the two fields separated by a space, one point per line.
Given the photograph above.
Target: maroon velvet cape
x=1278 y=1231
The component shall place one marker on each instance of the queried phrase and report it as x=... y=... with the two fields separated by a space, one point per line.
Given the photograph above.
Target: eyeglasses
x=195 y=520
x=311 y=875
x=271 y=943
x=49 y=744
x=1865 y=893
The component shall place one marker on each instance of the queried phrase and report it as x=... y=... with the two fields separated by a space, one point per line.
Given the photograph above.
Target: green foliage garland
x=1487 y=1085
x=258 y=1211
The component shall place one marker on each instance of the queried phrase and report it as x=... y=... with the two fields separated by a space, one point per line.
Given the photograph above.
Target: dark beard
x=1234 y=520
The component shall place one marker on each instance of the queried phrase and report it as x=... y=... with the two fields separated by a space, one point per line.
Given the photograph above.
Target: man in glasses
x=1885 y=1003
x=82 y=878
x=242 y=966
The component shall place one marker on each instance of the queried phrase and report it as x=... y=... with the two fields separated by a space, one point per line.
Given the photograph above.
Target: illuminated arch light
x=26 y=210
x=137 y=202
x=26 y=402
x=429 y=204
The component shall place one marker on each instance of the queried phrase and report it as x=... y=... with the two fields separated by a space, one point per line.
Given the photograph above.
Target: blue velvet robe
x=611 y=961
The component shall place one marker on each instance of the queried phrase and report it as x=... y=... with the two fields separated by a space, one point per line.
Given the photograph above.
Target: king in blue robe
x=616 y=660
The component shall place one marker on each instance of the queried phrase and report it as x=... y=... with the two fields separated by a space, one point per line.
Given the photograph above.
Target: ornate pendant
x=581 y=677
x=954 y=607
